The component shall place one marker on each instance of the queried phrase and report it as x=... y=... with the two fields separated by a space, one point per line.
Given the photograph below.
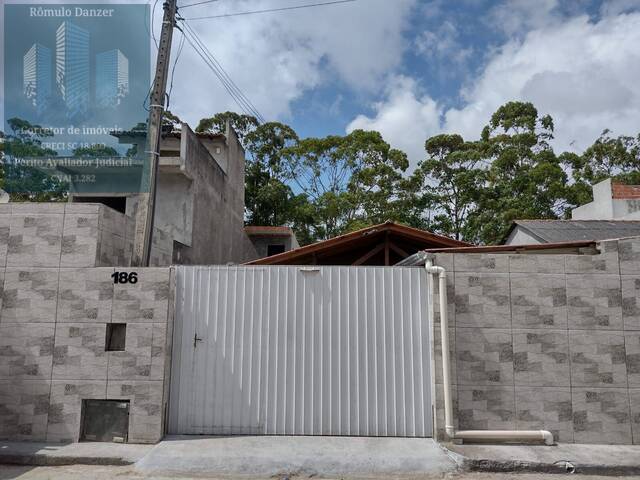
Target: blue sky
x=415 y=68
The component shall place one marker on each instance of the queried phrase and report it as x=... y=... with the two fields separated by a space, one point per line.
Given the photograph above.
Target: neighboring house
x=199 y=198
x=383 y=245
x=611 y=201
x=269 y=241
x=526 y=232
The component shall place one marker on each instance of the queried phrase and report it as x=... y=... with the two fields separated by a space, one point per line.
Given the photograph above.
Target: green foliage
x=242 y=124
x=524 y=177
x=350 y=181
x=25 y=183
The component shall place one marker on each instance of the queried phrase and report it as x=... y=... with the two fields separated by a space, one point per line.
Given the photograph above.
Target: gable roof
x=552 y=231
x=373 y=245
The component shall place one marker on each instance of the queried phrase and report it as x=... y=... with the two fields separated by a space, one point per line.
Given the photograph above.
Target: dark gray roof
x=570 y=230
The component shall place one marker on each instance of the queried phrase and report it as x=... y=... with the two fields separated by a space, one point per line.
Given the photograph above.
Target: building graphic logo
x=72 y=68
x=73 y=73
x=112 y=78
x=74 y=77
x=37 y=76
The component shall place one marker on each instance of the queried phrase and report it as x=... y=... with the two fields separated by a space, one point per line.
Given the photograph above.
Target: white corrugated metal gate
x=301 y=351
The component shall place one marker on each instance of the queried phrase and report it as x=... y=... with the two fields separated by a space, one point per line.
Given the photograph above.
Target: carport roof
x=384 y=244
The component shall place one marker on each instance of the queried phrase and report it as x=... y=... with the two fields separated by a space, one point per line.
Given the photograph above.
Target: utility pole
x=147 y=195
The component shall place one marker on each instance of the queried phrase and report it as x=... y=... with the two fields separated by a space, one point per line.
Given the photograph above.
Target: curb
x=521 y=466
x=39 y=460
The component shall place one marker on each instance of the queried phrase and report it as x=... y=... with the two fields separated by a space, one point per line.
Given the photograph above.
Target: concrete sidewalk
x=86 y=453
x=561 y=458
x=282 y=456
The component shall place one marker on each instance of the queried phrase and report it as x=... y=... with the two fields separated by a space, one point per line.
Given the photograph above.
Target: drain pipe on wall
x=496 y=435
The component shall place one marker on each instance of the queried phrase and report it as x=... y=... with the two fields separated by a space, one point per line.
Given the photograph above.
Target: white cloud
x=584 y=73
x=275 y=58
x=405 y=118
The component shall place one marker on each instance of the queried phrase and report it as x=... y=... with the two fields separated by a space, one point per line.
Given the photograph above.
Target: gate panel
x=301 y=351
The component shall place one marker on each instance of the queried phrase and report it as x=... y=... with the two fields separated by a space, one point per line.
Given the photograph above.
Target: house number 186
x=125 y=277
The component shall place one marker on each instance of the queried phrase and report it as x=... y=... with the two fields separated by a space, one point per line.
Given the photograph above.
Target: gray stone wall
x=545 y=341
x=55 y=305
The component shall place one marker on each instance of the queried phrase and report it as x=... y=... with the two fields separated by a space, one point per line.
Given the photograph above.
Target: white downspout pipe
x=497 y=435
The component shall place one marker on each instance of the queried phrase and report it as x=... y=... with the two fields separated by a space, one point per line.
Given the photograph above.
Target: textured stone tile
x=547 y=408
x=145 y=301
x=486 y=408
x=134 y=363
x=113 y=221
x=80 y=240
x=594 y=302
x=145 y=411
x=484 y=356
x=83 y=208
x=5 y=229
x=437 y=346
x=482 y=300
x=632 y=347
x=605 y=262
x=26 y=350
x=439 y=416
x=29 y=208
x=112 y=250
x=481 y=263
x=538 y=301
x=66 y=407
x=601 y=415
x=35 y=240
x=160 y=351
x=29 y=295
x=535 y=264
x=85 y=295
x=541 y=358
x=444 y=260
x=629 y=251
x=634 y=400
x=597 y=359
x=631 y=302
x=79 y=351
x=24 y=408
x=451 y=301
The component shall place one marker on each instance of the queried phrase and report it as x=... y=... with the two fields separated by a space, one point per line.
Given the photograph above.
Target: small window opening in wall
x=104 y=421
x=116 y=336
x=275 y=249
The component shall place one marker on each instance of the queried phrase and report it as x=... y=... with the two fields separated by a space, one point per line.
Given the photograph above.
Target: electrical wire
x=198 y=3
x=173 y=70
x=270 y=10
x=212 y=62
x=153 y=33
x=230 y=86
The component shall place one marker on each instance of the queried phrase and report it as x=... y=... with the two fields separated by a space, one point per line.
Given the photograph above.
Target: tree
x=609 y=157
x=242 y=124
x=350 y=181
x=28 y=183
x=524 y=177
x=449 y=182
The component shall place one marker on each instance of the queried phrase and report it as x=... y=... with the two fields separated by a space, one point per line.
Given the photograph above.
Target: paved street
x=82 y=472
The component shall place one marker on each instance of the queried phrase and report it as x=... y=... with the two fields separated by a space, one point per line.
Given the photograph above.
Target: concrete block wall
x=545 y=341
x=55 y=306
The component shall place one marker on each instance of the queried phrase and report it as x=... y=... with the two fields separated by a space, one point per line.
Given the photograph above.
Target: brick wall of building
x=545 y=341
x=56 y=302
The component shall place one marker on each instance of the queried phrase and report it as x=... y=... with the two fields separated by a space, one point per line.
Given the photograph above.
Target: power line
x=197 y=3
x=236 y=93
x=173 y=70
x=230 y=86
x=270 y=10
